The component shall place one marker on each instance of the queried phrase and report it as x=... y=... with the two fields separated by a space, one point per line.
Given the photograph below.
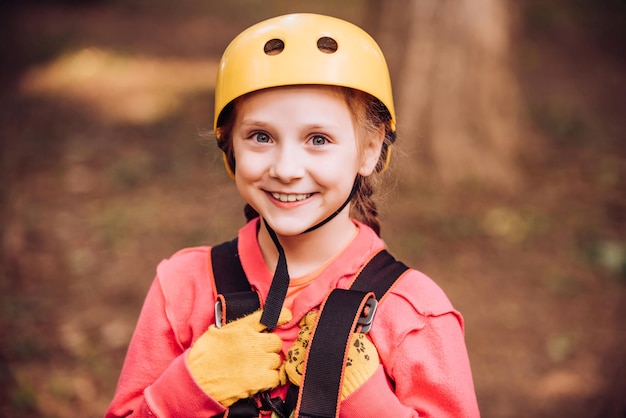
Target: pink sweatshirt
x=425 y=369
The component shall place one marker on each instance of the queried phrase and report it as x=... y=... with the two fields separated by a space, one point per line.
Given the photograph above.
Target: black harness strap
x=340 y=316
x=278 y=287
x=226 y=264
x=379 y=274
x=321 y=385
x=234 y=300
x=243 y=408
x=231 y=287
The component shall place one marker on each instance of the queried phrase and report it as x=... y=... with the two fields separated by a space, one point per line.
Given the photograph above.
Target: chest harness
x=343 y=312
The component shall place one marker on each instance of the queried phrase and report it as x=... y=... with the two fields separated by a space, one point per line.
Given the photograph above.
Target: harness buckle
x=219 y=313
x=365 y=321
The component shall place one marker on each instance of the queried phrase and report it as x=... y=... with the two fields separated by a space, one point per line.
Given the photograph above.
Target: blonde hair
x=369 y=115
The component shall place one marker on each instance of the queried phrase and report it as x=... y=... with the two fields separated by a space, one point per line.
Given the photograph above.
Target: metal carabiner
x=365 y=321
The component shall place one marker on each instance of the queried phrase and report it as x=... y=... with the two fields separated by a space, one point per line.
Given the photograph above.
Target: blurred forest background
x=508 y=188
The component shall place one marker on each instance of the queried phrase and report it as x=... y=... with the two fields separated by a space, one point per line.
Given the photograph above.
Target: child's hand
x=238 y=360
x=362 y=357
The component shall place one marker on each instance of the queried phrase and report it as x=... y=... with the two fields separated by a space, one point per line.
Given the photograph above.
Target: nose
x=287 y=165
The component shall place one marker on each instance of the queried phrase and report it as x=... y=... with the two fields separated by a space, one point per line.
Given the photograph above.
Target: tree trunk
x=457 y=99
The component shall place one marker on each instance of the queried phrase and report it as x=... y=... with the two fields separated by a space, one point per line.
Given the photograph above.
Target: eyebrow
x=254 y=123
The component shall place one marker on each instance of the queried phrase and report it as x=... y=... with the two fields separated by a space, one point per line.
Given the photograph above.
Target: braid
x=363 y=205
x=370 y=114
x=250 y=212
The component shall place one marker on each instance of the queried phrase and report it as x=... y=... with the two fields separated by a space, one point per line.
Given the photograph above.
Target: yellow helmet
x=300 y=49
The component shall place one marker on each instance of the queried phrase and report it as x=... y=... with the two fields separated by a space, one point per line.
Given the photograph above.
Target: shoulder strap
x=379 y=274
x=342 y=312
x=234 y=299
x=228 y=274
x=321 y=384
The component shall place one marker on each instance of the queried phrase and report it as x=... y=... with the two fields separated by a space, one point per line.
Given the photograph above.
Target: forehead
x=295 y=101
x=308 y=90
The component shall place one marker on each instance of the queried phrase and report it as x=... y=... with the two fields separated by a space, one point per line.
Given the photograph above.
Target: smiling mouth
x=291 y=197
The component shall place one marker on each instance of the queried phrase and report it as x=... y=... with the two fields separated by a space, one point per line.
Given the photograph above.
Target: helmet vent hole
x=327 y=45
x=274 y=47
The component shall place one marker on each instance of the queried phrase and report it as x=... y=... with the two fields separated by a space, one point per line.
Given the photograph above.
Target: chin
x=290 y=228
x=289 y=231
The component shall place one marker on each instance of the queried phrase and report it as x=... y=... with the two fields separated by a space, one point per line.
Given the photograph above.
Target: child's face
x=297 y=155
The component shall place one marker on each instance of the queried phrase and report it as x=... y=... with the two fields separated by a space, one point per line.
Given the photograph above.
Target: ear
x=371 y=151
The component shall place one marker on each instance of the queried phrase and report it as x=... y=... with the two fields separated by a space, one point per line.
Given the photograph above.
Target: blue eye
x=262 y=137
x=319 y=140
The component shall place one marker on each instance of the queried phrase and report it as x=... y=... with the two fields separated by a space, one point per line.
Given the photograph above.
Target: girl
x=305 y=118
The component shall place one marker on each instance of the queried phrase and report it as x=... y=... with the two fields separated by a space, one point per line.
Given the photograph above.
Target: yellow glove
x=362 y=357
x=238 y=360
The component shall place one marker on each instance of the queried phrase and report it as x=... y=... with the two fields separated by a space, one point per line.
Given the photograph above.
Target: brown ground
x=104 y=174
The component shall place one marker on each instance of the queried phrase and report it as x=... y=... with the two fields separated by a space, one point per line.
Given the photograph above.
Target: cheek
x=246 y=177
x=247 y=169
x=247 y=163
x=336 y=169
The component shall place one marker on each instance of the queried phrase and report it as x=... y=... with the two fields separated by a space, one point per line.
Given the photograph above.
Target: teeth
x=290 y=197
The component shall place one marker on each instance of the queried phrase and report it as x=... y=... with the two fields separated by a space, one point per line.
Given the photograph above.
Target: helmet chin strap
x=280 y=281
x=355 y=187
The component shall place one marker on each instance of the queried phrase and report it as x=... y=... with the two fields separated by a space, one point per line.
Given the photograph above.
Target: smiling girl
x=305 y=118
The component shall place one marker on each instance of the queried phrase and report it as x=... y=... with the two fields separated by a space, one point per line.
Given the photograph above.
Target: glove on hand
x=238 y=360
x=362 y=360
